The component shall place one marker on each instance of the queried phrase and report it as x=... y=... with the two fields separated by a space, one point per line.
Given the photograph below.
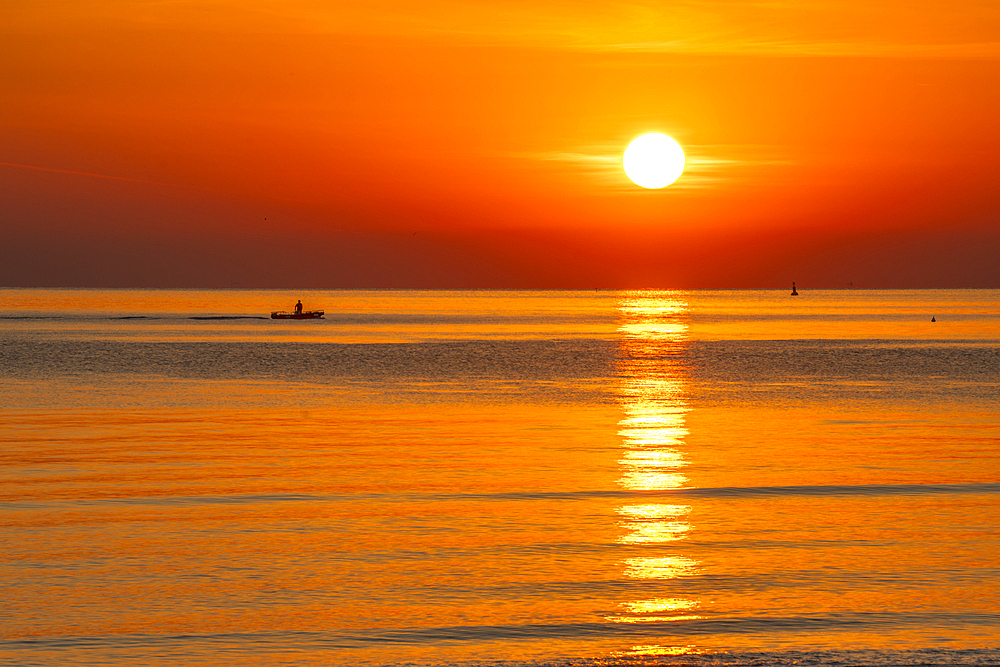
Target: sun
x=653 y=160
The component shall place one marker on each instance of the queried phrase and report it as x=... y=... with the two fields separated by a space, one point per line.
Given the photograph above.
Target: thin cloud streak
x=702 y=169
x=983 y=50
x=92 y=175
x=136 y=180
x=813 y=28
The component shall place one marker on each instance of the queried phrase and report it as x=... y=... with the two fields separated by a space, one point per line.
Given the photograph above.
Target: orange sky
x=460 y=144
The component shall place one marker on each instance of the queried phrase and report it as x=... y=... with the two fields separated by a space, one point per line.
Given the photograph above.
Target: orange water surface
x=450 y=477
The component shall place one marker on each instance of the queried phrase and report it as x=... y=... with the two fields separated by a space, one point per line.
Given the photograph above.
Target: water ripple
x=729 y=492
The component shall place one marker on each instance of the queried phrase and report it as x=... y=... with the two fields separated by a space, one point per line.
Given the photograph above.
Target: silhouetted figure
x=794 y=291
x=932 y=319
x=298 y=307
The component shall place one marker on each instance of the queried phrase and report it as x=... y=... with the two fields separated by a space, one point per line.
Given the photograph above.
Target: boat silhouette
x=305 y=315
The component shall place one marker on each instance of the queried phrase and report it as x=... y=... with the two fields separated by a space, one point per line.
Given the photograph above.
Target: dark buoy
x=932 y=319
x=794 y=291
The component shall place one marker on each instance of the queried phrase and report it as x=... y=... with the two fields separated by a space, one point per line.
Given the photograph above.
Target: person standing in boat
x=298 y=307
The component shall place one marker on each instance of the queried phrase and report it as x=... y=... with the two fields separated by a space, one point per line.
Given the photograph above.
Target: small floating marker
x=794 y=291
x=932 y=319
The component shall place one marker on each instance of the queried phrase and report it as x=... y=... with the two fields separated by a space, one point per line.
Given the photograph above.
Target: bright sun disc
x=653 y=160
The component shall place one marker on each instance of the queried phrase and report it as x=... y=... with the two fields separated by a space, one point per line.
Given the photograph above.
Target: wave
x=196 y=642
x=675 y=628
x=832 y=490
x=872 y=490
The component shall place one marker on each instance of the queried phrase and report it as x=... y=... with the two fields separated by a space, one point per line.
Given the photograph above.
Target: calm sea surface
x=516 y=478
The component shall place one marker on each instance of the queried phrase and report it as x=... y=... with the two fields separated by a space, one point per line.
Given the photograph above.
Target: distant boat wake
x=133 y=317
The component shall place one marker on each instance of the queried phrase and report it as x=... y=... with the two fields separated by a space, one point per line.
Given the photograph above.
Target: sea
x=500 y=478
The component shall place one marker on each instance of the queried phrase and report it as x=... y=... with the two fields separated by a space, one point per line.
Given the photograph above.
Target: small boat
x=304 y=315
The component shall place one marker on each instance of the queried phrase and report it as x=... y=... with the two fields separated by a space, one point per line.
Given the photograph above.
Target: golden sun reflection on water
x=655 y=649
x=653 y=511
x=652 y=394
x=667 y=567
x=649 y=532
x=660 y=605
x=652 y=480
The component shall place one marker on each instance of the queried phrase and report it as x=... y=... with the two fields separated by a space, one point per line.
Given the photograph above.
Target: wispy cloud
x=853 y=28
x=89 y=174
x=706 y=166
x=109 y=177
x=910 y=28
x=820 y=48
